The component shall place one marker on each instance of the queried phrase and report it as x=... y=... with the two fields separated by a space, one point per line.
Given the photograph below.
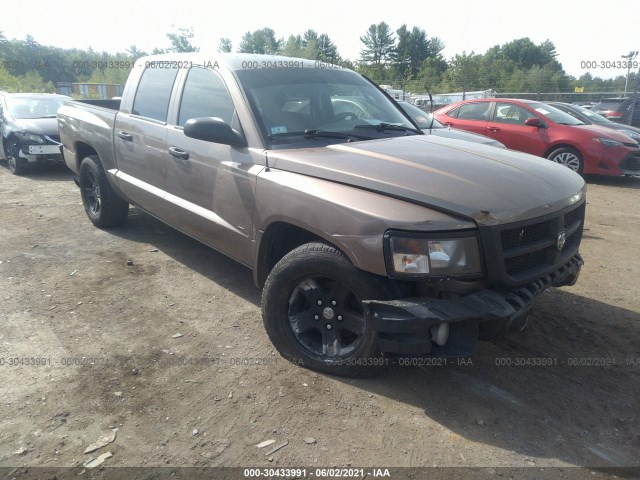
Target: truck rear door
x=210 y=186
x=140 y=139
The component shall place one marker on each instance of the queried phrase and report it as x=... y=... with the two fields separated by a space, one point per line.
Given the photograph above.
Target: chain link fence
x=616 y=102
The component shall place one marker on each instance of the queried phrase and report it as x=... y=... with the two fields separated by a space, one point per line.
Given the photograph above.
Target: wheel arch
x=556 y=146
x=10 y=135
x=278 y=239
x=282 y=237
x=83 y=150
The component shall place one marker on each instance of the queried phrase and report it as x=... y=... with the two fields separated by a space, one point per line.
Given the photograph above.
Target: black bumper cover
x=403 y=326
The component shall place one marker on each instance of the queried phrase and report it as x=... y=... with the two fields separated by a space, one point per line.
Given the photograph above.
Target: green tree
x=431 y=73
x=379 y=45
x=293 y=47
x=261 y=41
x=135 y=53
x=327 y=51
x=4 y=44
x=412 y=49
x=181 y=40
x=462 y=73
x=30 y=82
x=310 y=45
x=309 y=36
x=225 y=45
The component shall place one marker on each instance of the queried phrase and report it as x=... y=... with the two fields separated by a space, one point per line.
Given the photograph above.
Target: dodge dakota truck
x=370 y=240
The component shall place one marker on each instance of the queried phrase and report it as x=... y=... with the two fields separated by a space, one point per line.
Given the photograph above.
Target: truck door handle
x=179 y=153
x=448 y=124
x=493 y=129
x=125 y=135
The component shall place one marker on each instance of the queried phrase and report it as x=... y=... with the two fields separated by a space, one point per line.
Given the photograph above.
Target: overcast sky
x=580 y=31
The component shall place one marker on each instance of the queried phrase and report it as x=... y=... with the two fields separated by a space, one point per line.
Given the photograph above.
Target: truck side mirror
x=213 y=129
x=534 y=122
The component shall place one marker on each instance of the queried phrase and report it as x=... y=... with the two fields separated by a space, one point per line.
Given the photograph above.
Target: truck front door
x=210 y=186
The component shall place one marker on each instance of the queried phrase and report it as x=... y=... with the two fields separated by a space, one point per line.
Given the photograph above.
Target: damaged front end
x=522 y=259
x=25 y=148
x=452 y=327
x=33 y=147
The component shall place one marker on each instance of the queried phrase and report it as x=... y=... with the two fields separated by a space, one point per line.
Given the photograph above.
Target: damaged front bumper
x=41 y=149
x=42 y=152
x=409 y=326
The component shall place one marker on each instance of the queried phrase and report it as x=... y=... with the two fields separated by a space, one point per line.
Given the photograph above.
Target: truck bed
x=110 y=104
x=87 y=127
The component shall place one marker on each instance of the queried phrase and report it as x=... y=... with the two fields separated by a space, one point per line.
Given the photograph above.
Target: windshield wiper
x=320 y=133
x=380 y=127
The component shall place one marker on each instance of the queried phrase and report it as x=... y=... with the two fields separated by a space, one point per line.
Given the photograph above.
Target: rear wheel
x=569 y=157
x=312 y=311
x=103 y=206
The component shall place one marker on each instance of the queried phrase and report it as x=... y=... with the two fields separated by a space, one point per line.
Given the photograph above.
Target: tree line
x=406 y=58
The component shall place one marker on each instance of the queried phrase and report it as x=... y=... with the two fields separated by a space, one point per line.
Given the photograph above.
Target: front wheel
x=12 y=155
x=569 y=157
x=103 y=206
x=312 y=311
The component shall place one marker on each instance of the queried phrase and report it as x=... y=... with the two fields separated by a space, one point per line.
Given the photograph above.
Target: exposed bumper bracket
x=403 y=326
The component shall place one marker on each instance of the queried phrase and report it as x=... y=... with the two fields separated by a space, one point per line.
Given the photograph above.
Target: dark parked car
x=431 y=126
x=29 y=129
x=545 y=131
x=589 y=117
x=619 y=110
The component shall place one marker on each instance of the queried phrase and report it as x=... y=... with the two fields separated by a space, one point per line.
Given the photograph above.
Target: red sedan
x=545 y=131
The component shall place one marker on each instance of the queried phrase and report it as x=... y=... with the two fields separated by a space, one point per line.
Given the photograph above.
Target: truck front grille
x=526 y=262
x=525 y=235
x=524 y=251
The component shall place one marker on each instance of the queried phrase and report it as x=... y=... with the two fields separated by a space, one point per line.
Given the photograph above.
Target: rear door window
x=474 y=111
x=154 y=92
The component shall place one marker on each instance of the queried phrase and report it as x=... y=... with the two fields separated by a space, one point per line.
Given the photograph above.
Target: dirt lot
x=101 y=309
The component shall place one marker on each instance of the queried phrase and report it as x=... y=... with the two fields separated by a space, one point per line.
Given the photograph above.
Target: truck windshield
x=291 y=103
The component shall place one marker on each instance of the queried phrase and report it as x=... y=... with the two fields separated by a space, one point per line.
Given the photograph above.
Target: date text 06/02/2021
x=326 y=473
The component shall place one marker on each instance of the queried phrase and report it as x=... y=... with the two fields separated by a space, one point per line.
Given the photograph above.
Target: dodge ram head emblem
x=562 y=239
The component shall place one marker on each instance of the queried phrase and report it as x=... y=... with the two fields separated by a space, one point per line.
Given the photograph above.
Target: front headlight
x=607 y=142
x=410 y=256
x=30 y=138
x=631 y=133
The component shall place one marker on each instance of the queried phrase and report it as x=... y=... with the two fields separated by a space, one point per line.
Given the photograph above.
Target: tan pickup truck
x=370 y=239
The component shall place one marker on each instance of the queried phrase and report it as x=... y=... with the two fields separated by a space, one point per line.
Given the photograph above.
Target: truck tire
x=103 y=206
x=312 y=311
x=14 y=162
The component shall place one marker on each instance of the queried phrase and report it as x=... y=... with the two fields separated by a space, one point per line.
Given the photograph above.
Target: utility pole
x=629 y=58
x=635 y=97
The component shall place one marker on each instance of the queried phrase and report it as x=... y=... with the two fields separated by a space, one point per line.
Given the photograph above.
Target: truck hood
x=488 y=184
x=39 y=126
x=462 y=135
